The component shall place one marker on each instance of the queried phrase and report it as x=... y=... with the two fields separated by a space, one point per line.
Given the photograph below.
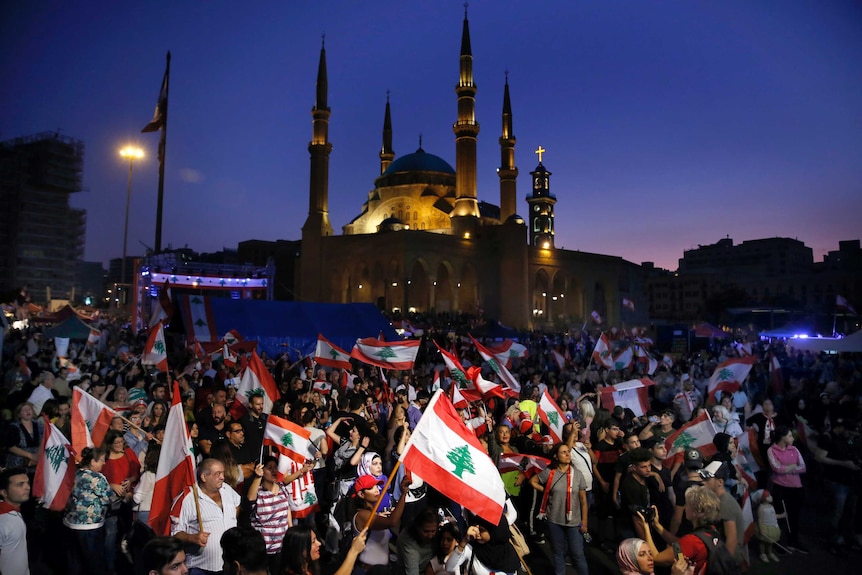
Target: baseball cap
x=364 y=482
x=715 y=470
x=693 y=458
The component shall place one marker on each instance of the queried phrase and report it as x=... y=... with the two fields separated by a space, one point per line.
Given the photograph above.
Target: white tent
x=851 y=343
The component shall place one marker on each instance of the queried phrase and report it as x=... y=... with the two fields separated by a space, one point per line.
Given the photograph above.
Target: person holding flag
x=85 y=514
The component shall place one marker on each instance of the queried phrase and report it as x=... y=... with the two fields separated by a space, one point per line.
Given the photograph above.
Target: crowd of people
x=610 y=495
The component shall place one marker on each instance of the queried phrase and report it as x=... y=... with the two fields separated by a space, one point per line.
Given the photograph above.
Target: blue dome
x=419 y=161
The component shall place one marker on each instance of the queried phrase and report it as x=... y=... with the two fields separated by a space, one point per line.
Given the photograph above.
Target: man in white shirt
x=43 y=392
x=219 y=505
x=14 y=490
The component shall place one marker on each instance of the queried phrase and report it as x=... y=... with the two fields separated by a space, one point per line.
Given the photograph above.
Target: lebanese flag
x=255 y=380
x=330 y=355
x=232 y=337
x=54 y=474
x=90 y=420
x=347 y=380
x=503 y=374
x=742 y=349
x=597 y=318
x=624 y=359
x=667 y=361
x=632 y=394
x=482 y=385
x=288 y=438
x=550 y=413
x=559 y=359
x=163 y=308
x=507 y=351
x=775 y=374
x=198 y=317
x=94 y=336
x=646 y=358
x=461 y=398
x=435 y=382
x=398 y=355
x=448 y=456
x=456 y=370
x=750 y=450
x=629 y=304
x=729 y=376
x=176 y=469
x=602 y=352
x=842 y=303
x=228 y=356
x=156 y=351
x=528 y=464
x=321 y=385
x=696 y=433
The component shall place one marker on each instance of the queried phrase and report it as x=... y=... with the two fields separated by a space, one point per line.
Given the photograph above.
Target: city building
x=41 y=236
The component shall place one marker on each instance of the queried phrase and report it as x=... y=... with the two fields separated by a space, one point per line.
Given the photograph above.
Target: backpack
x=719 y=560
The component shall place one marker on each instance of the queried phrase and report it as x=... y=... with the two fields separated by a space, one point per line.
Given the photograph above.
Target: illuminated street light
x=131 y=153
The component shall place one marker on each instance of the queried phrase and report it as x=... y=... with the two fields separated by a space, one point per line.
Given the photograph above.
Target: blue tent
x=285 y=326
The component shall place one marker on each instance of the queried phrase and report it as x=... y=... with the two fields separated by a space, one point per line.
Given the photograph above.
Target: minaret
x=387 y=154
x=317 y=222
x=541 y=206
x=508 y=173
x=465 y=215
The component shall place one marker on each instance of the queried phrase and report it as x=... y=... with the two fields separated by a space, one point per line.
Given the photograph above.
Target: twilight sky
x=667 y=124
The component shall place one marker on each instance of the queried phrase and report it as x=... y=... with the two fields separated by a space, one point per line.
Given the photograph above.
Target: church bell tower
x=541 y=205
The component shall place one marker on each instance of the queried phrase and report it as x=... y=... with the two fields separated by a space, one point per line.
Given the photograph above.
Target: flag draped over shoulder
x=330 y=355
x=729 y=376
x=696 y=433
x=156 y=350
x=55 y=471
x=398 y=355
x=90 y=420
x=449 y=457
x=549 y=412
x=503 y=374
x=289 y=439
x=632 y=394
x=602 y=352
x=176 y=470
x=255 y=380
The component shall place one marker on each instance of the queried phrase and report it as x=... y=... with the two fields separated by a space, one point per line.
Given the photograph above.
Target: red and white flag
x=742 y=349
x=482 y=385
x=288 y=438
x=90 y=420
x=775 y=374
x=597 y=318
x=398 y=355
x=667 y=361
x=696 y=433
x=647 y=359
x=449 y=457
x=602 y=352
x=55 y=471
x=255 y=380
x=456 y=370
x=530 y=465
x=559 y=359
x=624 y=359
x=842 y=303
x=163 y=308
x=176 y=470
x=549 y=412
x=729 y=376
x=461 y=398
x=232 y=337
x=228 y=356
x=94 y=337
x=632 y=394
x=330 y=355
x=198 y=317
x=629 y=304
x=507 y=351
x=156 y=350
x=503 y=374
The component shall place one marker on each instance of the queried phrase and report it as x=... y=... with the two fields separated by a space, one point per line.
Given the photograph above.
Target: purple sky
x=667 y=124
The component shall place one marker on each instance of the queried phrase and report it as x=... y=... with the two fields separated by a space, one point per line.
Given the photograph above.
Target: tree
x=462 y=460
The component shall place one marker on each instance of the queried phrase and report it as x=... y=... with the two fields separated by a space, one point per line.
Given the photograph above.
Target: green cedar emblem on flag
x=287 y=439
x=461 y=459
x=385 y=354
x=56 y=454
x=685 y=440
x=725 y=374
x=309 y=498
x=554 y=418
x=159 y=347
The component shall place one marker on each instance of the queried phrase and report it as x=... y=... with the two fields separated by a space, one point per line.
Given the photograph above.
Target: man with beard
x=254 y=422
x=211 y=433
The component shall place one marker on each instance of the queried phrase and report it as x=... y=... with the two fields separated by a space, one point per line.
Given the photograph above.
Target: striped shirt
x=216 y=520
x=271 y=516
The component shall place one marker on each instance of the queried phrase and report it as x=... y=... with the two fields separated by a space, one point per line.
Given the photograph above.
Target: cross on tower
x=540 y=150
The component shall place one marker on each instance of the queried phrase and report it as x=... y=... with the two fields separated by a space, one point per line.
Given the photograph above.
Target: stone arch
x=378 y=286
x=444 y=290
x=468 y=290
x=540 y=296
x=418 y=287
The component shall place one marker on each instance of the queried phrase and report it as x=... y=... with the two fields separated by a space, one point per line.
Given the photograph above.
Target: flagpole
x=384 y=490
x=162 y=150
x=198 y=506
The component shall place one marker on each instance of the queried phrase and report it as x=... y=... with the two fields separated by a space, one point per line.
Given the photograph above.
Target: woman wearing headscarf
x=485 y=549
x=635 y=558
x=372 y=464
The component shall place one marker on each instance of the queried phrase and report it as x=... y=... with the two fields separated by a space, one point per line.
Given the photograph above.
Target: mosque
x=423 y=241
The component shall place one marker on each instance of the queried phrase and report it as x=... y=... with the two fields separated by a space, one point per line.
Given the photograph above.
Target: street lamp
x=131 y=153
